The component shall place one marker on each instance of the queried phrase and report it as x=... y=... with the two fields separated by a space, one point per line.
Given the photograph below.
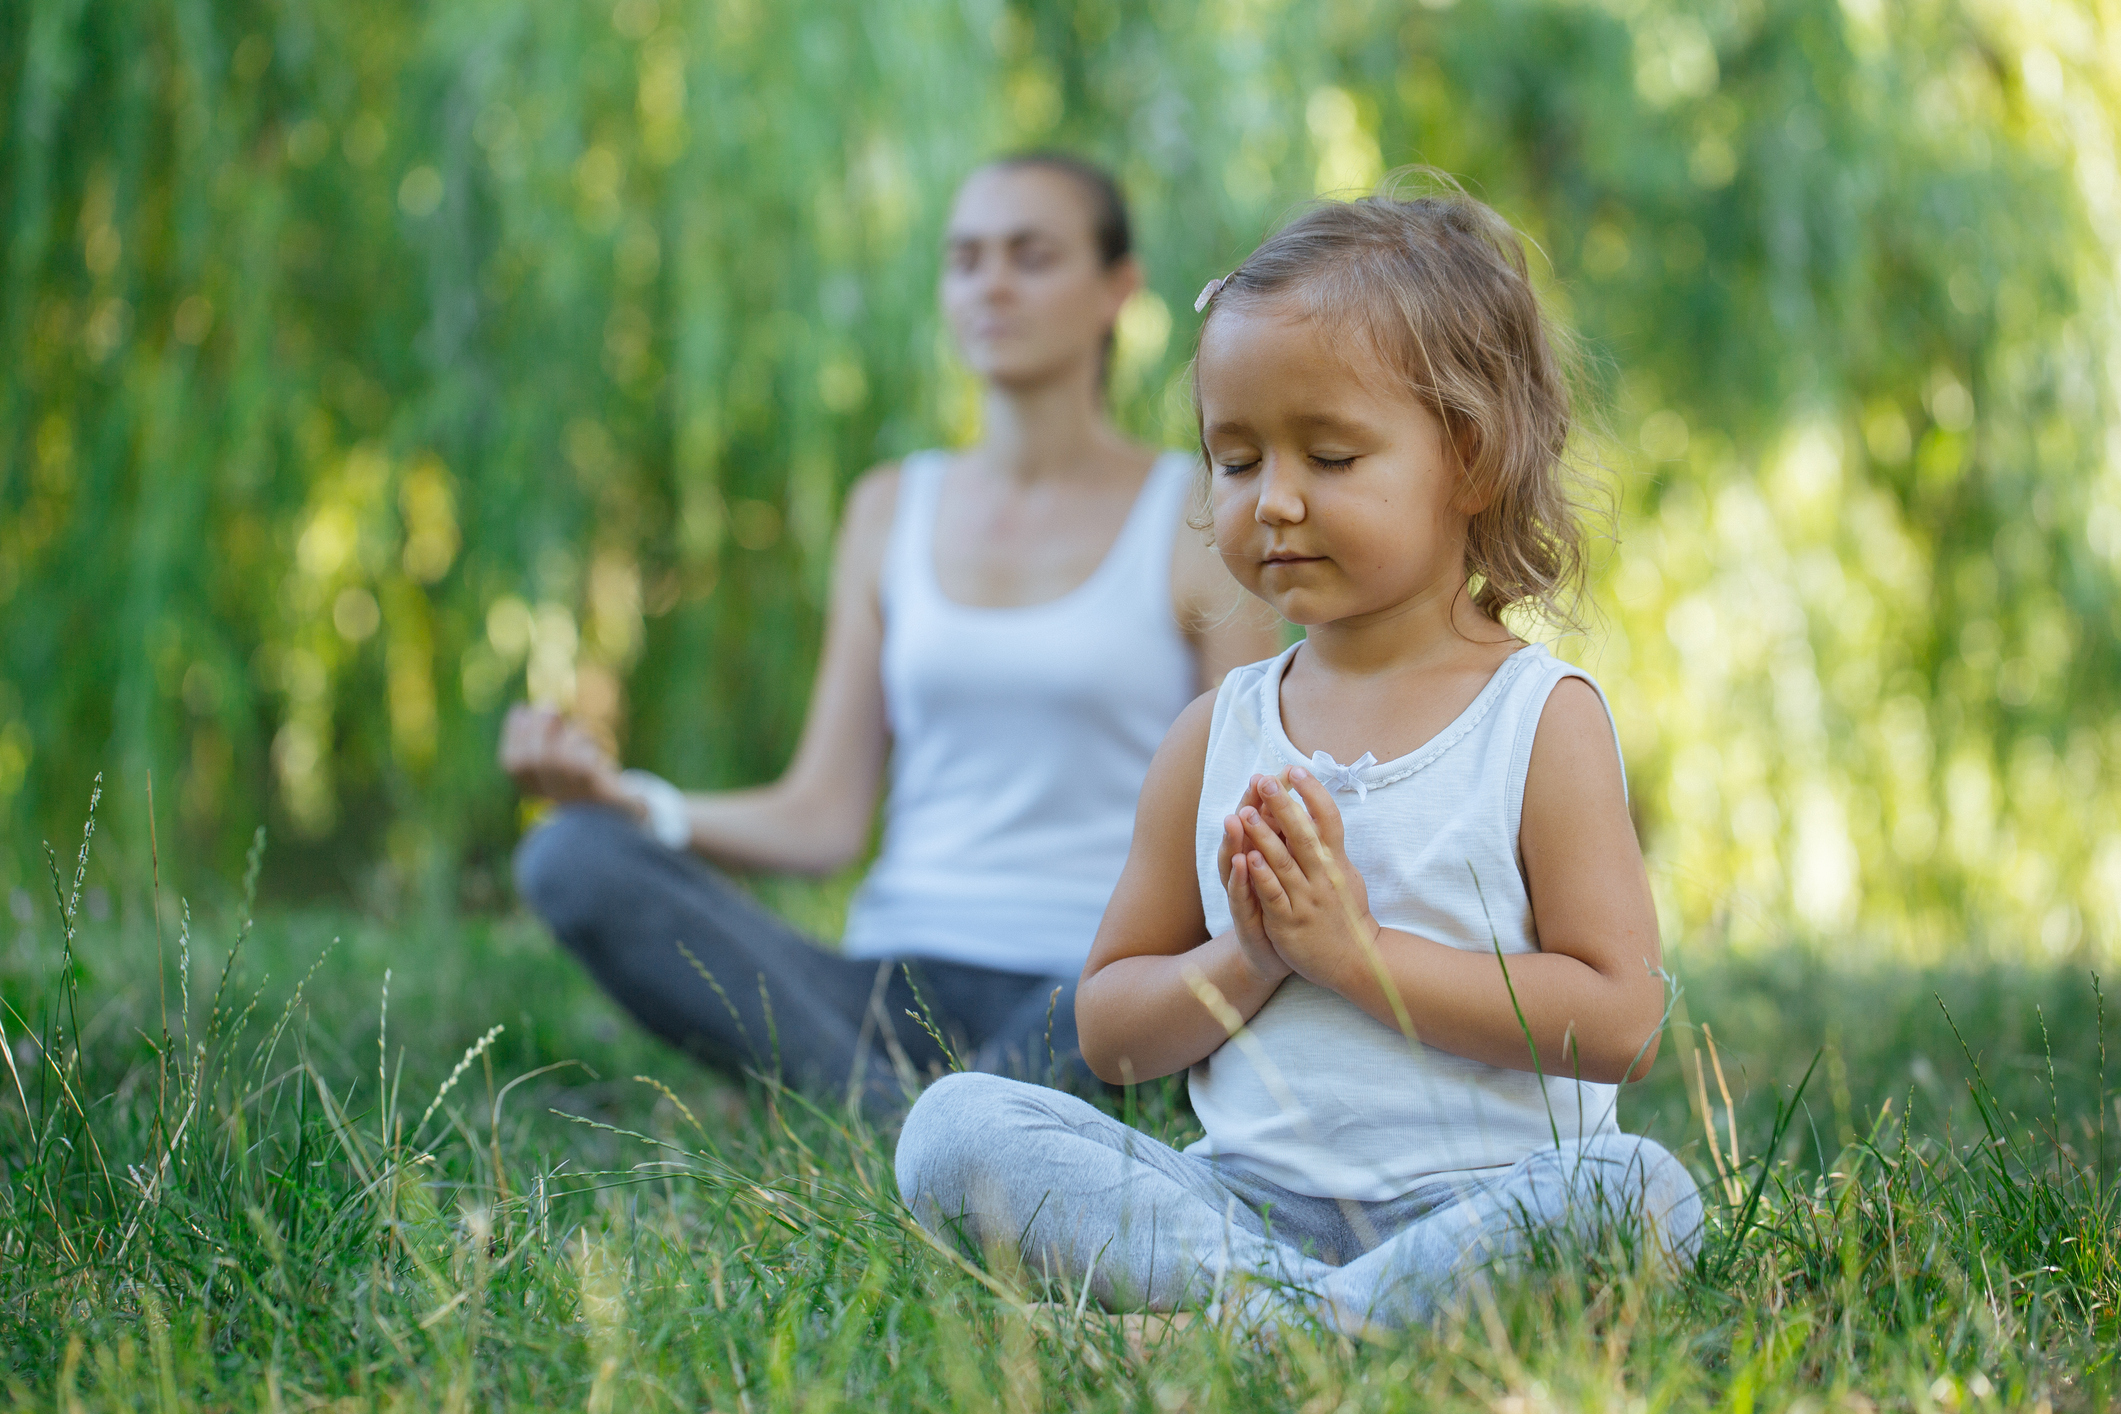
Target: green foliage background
x=370 y=365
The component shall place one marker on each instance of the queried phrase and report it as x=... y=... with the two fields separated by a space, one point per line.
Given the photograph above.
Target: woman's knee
x=565 y=867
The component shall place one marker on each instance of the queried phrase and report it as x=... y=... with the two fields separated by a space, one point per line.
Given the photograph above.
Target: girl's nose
x=1280 y=501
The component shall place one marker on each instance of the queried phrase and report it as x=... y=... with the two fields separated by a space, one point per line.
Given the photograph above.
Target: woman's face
x=1023 y=287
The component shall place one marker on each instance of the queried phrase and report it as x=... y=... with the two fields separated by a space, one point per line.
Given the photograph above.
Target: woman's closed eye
x=1332 y=463
x=1033 y=256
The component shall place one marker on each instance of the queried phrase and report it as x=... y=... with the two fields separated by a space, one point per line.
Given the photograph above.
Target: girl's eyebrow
x=1326 y=422
x=1308 y=421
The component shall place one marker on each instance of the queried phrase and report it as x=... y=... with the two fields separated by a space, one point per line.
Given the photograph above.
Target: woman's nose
x=993 y=283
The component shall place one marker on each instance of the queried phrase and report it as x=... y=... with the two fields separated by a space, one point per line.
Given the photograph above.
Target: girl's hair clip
x=1209 y=291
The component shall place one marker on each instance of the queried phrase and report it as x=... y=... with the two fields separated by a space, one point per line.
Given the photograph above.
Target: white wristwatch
x=668 y=823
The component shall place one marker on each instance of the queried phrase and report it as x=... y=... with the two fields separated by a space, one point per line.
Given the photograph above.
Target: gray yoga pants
x=756 y=996
x=1086 y=1200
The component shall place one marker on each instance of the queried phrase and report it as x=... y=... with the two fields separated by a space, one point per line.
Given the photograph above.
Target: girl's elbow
x=1109 y=1068
x=1103 y=1055
x=1624 y=1062
x=1636 y=1064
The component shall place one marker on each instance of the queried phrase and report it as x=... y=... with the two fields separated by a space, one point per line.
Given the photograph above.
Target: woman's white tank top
x=1019 y=740
x=1317 y=1095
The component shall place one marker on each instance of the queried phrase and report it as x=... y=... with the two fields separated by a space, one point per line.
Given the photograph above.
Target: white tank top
x=1317 y=1095
x=1019 y=739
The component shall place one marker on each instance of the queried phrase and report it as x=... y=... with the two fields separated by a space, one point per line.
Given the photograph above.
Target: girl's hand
x=1245 y=914
x=1312 y=902
x=1233 y=845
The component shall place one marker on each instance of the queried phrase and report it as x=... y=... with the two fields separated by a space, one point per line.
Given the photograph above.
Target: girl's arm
x=1155 y=982
x=1589 y=999
x=816 y=817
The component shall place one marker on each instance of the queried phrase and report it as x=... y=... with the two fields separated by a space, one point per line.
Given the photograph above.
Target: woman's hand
x=550 y=756
x=1313 y=905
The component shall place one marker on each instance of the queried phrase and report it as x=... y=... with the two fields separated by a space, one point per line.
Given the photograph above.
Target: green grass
x=287 y=1196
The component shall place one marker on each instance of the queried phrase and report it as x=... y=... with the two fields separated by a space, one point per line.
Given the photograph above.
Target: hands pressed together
x=1299 y=905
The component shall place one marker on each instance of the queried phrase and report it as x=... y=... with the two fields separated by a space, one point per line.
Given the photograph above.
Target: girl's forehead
x=1281 y=360
x=1278 y=333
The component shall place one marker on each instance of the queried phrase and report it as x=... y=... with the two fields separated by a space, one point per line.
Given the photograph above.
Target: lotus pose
x=1016 y=624
x=1384 y=897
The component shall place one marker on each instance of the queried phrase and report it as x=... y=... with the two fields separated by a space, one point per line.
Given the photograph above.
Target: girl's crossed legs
x=1083 y=1197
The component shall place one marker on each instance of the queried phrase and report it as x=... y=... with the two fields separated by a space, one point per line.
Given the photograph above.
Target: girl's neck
x=1428 y=630
x=1052 y=430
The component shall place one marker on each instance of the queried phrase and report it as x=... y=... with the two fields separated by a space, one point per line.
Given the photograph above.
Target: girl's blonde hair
x=1436 y=283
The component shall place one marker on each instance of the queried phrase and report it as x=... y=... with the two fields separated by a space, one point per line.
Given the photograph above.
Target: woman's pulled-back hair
x=1436 y=283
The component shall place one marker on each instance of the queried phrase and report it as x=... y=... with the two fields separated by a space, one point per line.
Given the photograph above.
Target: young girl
x=1383 y=897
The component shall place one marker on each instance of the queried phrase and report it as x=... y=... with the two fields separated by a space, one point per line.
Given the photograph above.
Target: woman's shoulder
x=866 y=518
x=873 y=498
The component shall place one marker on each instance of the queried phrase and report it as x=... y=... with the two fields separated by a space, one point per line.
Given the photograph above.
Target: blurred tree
x=369 y=366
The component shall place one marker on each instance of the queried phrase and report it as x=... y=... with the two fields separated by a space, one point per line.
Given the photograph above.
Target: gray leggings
x=757 y=996
x=1086 y=1200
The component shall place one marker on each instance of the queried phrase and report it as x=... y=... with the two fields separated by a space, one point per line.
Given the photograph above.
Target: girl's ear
x=1474 y=494
x=1472 y=499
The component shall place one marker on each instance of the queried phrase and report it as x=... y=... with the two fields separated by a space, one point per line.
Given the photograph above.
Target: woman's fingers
x=548 y=755
x=519 y=733
x=523 y=744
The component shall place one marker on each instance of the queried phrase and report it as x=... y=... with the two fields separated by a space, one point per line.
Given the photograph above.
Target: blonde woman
x=1014 y=627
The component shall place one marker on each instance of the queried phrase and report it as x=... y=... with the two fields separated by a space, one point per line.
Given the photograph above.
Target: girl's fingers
x=1293 y=822
x=1266 y=884
x=1267 y=844
x=1233 y=845
x=1324 y=812
x=1244 y=908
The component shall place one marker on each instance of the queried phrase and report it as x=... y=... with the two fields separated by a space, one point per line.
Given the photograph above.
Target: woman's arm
x=816 y=817
x=1588 y=997
x=1155 y=982
x=1226 y=626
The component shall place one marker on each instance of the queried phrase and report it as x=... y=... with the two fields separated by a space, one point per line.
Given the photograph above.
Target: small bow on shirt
x=1344 y=778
